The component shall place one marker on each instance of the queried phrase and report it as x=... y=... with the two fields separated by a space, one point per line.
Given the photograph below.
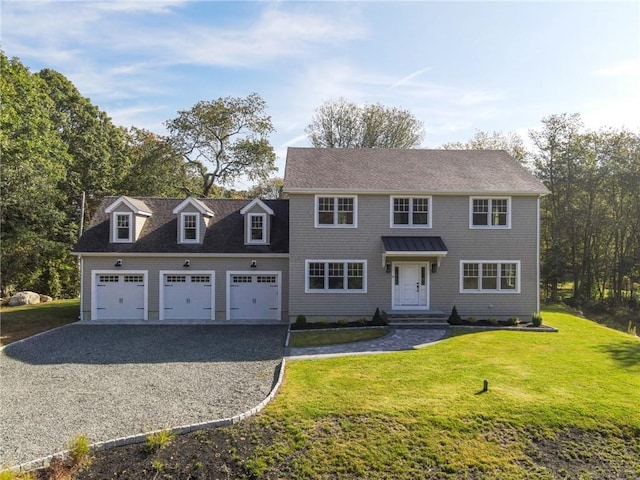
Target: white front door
x=410 y=286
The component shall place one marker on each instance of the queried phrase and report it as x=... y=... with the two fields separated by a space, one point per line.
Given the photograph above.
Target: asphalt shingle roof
x=408 y=170
x=225 y=233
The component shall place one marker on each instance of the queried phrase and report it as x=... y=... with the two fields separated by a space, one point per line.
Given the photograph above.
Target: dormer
x=127 y=217
x=193 y=219
x=257 y=222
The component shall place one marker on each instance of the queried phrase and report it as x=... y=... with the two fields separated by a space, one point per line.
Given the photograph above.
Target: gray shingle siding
x=450 y=222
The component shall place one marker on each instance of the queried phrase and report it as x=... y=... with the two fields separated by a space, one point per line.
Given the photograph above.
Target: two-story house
x=400 y=230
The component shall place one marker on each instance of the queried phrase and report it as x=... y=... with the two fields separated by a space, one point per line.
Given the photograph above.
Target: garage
x=187 y=296
x=119 y=295
x=253 y=296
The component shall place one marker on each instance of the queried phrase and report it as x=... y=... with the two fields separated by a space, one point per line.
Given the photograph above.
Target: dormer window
x=123 y=227
x=193 y=217
x=256 y=233
x=190 y=228
x=257 y=215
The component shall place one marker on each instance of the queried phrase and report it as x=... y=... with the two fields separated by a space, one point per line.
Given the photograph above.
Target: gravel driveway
x=106 y=381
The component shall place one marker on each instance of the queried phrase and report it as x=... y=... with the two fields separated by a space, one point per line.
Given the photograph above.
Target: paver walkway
x=396 y=340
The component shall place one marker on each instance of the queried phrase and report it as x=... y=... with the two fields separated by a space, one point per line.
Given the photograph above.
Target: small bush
x=301 y=320
x=472 y=320
x=157 y=465
x=377 y=319
x=155 y=441
x=536 y=319
x=455 y=318
x=362 y=321
x=323 y=322
x=513 y=321
x=493 y=321
x=79 y=451
x=343 y=321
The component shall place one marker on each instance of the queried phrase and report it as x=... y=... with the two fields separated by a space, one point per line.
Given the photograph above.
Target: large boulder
x=24 y=298
x=45 y=298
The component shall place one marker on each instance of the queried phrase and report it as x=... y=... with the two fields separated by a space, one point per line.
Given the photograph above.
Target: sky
x=457 y=66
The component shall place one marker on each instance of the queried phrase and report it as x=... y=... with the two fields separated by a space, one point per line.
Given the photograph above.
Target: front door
x=410 y=286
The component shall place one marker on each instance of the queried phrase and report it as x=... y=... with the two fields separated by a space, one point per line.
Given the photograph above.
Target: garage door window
x=200 y=278
x=133 y=279
x=108 y=278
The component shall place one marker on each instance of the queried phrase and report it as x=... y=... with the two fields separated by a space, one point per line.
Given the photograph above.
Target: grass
x=22 y=322
x=401 y=415
x=311 y=338
x=156 y=441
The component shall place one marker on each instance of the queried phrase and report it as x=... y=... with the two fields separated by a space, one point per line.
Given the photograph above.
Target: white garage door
x=254 y=296
x=187 y=296
x=119 y=296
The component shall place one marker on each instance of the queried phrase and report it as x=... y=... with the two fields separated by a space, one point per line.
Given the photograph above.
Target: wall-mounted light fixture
x=254 y=264
x=118 y=263
x=388 y=267
x=434 y=267
x=186 y=264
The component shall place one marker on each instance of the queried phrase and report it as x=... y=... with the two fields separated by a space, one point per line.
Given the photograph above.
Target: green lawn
x=17 y=323
x=310 y=338
x=406 y=414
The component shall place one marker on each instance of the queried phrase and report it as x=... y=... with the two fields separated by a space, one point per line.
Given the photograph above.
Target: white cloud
x=627 y=68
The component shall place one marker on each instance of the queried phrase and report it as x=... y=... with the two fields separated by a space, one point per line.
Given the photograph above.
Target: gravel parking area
x=106 y=381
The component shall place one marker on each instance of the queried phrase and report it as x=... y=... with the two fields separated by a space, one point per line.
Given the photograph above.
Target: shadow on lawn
x=626 y=353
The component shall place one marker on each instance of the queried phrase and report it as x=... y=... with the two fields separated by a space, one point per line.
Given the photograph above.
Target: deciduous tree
x=343 y=124
x=225 y=139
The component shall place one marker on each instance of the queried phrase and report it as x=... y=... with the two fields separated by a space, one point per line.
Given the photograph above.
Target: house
x=403 y=230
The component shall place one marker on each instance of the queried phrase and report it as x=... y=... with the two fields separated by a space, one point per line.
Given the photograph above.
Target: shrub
x=493 y=321
x=79 y=451
x=155 y=441
x=323 y=322
x=343 y=321
x=513 y=321
x=377 y=319
x=301 y=320
x=536 y=319
x=472 y=320
x=455 y=318
x=362 y=321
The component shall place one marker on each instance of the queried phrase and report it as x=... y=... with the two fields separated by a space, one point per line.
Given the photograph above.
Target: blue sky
x=458 y=66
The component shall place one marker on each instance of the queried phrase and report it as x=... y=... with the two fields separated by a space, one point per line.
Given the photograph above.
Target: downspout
x=81 y=260
x=538 y=254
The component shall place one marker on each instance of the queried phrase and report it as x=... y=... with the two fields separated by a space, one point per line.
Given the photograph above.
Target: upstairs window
x=411 y=212
x=190 y=228
x=257 y=228
x=336 y=211
x=122 y=228
x=490 y=213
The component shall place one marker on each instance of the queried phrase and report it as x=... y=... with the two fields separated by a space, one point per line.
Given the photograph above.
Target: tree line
x=57 y=147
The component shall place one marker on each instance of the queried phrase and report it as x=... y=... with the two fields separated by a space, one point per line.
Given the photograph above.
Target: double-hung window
x=336 y=276
x=257 y=225
x=411 y=212
x=490 y=276
x=122 y=228
x=487 y=212
x=190 y=231
x=336 y=211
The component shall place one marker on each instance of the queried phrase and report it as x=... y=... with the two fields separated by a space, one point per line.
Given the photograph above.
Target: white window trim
x=248 y=239
x=182 y=228
x=498 y=290
x=162 y=273
x=335 y=224
x=410 y=224
x=94 y=288
x=490 y=227
x=327 y=290
x=114 y=222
